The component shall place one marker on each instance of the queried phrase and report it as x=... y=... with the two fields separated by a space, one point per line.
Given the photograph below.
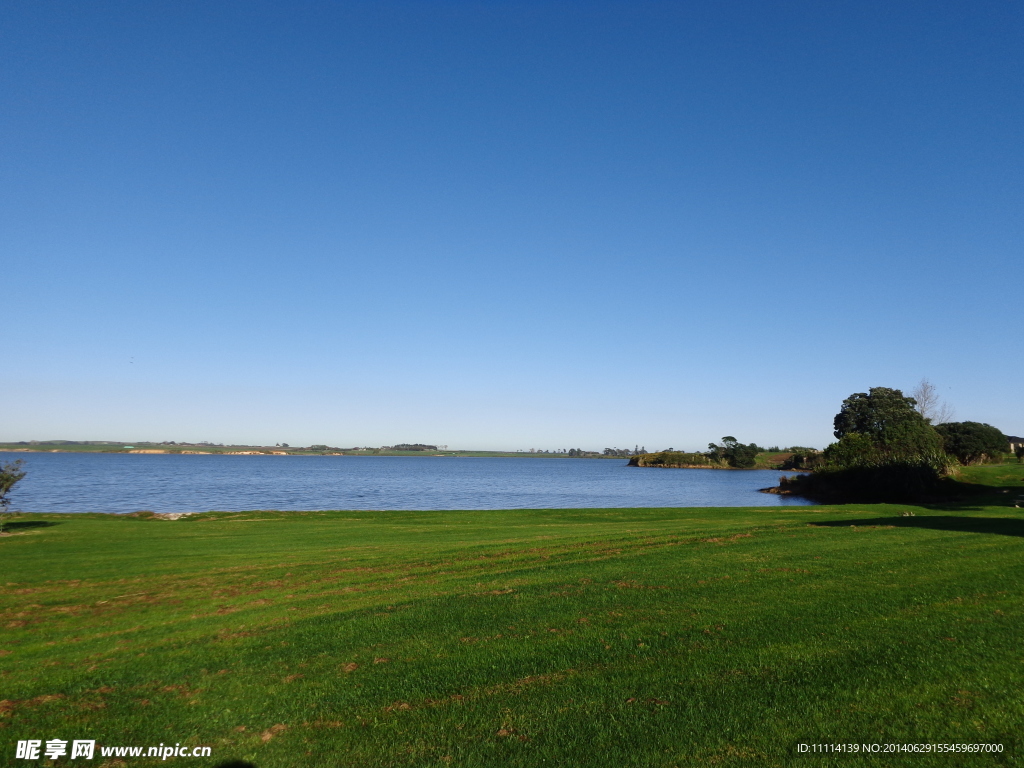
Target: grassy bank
x=567 y=637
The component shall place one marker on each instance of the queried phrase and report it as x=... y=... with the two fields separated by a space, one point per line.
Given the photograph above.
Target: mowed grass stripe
x=525 y=637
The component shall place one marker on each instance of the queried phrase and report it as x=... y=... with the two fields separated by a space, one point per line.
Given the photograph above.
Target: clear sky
x=505 y=224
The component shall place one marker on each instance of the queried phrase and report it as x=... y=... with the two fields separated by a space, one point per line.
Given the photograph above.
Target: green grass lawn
x=638 y=637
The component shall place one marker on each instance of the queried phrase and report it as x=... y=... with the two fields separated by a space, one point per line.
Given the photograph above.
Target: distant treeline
x=729 y=454
x=675 y=460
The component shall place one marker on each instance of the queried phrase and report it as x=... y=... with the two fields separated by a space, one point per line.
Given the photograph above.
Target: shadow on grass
x=29 y=524
x=958 y=494
x=1004 y=526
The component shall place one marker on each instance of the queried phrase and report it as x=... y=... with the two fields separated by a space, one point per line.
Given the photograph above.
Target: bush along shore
x=677 y=460
x=730 y=454
x=888 y=451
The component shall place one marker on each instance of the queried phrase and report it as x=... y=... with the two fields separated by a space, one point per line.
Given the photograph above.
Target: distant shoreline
x=195 y=450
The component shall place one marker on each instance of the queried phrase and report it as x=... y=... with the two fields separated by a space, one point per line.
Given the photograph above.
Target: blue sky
x=507 y=225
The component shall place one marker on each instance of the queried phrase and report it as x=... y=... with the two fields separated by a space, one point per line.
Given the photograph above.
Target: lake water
x=82 y=482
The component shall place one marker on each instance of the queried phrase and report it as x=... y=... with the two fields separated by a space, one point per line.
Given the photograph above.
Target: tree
x=886 y=452
x=734 y=453
x=971 y=441
x=889 y=421
x=931 y=407
x=10 y=474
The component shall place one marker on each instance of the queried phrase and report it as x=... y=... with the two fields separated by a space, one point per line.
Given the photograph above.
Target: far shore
x=195 y=450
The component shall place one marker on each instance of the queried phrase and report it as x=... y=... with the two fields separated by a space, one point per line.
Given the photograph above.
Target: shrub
x=972 y=442
x=10 y=474
x=877 y=479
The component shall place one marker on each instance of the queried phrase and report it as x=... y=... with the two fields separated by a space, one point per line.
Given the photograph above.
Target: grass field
x=644 y=637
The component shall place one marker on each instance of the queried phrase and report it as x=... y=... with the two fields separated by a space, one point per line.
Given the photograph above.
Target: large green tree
x=888 y=422
x=971 y=441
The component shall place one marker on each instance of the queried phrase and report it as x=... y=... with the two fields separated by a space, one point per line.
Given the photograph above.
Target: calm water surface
x=81 y=482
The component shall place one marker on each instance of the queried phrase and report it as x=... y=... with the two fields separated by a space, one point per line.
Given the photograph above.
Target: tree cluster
x=888 y=449
x=625 y=452
x=733 y=453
